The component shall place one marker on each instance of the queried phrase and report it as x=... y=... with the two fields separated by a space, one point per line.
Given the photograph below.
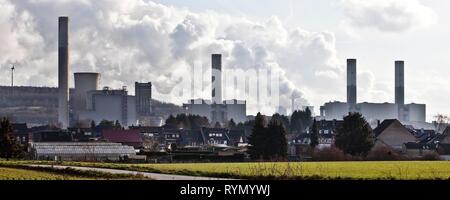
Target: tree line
x=9 y=146
x=268 y=141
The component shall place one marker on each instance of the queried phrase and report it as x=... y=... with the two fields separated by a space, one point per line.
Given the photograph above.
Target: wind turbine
x=12 y=75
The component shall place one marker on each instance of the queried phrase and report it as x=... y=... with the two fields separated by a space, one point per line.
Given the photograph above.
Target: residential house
x=217 y=137
x=444 y=138
x=171 y=136
x=393 y=134
x=20 y=133
x=51 y=136
x=129 y=137
x=416 y=149
x=422 y=135
x=299 y=145
x=237 y=136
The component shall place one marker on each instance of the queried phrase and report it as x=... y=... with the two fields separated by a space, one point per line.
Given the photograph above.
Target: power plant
x=375 y=111
x=217 y=110
x=90 y=103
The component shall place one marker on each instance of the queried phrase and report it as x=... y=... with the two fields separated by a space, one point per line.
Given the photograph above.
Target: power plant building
x=375 y=111
x=111 y=105
x=216 y=109
x=143 y=92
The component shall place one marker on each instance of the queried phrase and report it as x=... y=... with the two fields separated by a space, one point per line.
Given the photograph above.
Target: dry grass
x=395 y=170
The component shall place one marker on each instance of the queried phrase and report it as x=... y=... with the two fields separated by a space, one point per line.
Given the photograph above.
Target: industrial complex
x=216 y=109
x=375 y=111
x=93 y=122
x=88 y=101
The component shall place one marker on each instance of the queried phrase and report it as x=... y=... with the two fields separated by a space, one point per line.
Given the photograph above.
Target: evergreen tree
x=284 y=120
x=257 y=140
x=171 y=122
x=355 y=136
x=117 y=125
x=8 y=145
x=231 y=124
x=92 y=125
x=314 y=135
x=276 y=141
x=301 y=120
x=189 y=122
x=217 y=125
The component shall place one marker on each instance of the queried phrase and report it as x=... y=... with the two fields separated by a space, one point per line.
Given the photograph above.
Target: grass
x=19 y=170
x=23 y=174
x=393 y=170
x=408 y=170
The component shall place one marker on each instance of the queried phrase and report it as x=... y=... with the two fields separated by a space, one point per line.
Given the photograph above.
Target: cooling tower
x=84 y=82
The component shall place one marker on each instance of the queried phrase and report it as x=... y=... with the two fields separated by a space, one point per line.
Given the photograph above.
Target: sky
x=307 y=40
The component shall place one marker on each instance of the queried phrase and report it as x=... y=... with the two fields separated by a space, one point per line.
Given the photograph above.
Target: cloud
x=139 y=40
x=389 y=15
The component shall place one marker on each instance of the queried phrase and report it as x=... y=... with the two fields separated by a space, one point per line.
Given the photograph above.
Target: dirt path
x=154 y=176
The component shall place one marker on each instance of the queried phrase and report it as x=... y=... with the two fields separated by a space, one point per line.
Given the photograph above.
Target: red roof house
x=125 y=137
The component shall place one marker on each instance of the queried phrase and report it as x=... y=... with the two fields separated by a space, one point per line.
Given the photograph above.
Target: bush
x=329 y=154
x=431 y=156
x=384 y=153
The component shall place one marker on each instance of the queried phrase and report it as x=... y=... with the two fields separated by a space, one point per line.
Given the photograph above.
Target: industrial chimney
x=63 y=72
x=400 y=88
x=217 y=78
x=351 y=84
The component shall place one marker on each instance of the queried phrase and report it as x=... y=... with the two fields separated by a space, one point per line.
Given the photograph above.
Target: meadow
x=23 y=174
x=393 y=170
x=20 y=170
x=354 y=170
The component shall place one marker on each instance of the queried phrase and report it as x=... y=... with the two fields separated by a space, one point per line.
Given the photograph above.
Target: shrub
x=329 y=154
x=431 y=156
x=384 y=153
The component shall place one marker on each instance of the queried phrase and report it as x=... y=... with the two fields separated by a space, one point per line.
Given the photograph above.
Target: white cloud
x=389 y=15
x=140 y=40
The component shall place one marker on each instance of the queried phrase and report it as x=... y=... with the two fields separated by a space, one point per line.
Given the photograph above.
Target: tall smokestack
x=63 y=72
x=217 y=78
x=400 y=88
x=351 y=84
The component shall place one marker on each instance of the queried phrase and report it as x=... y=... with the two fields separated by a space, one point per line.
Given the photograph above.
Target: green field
x=394 y=170
x=408 y=170
x=23 y=174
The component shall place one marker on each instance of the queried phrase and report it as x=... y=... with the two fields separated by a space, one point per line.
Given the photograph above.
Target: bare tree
x=441 y=122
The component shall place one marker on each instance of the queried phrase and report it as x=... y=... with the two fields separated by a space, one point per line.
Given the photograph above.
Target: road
x=154 y=176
